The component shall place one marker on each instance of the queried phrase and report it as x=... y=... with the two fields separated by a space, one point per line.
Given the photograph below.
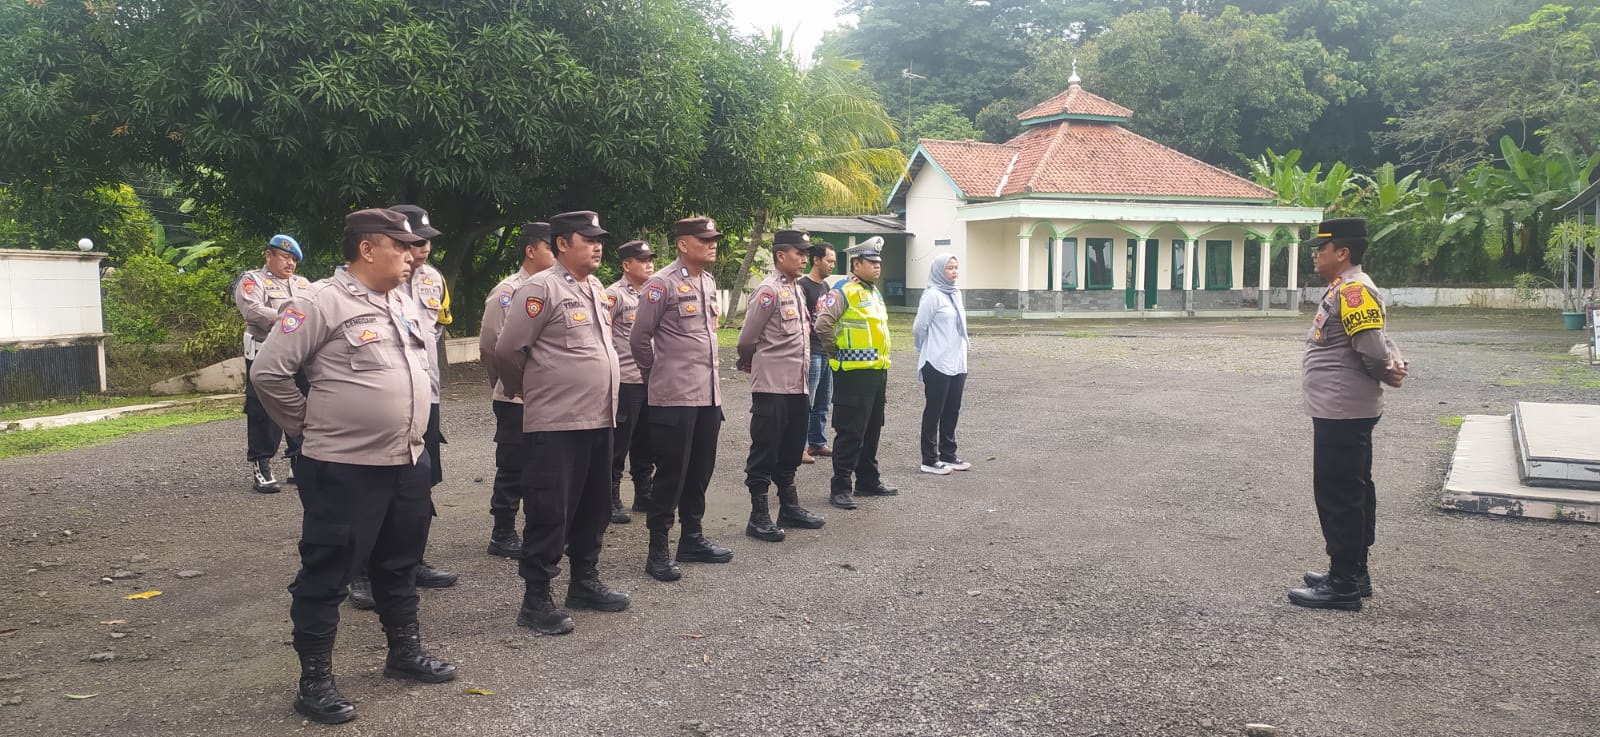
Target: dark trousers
x=506 y=497
x=262 y=435
x=432 y=438
x=631 y=440
x=1347 y=502
x=684 y=442
x=777 y=438
x=353 y=515
x=858 y=399
x=940 y=413
x=566 y=497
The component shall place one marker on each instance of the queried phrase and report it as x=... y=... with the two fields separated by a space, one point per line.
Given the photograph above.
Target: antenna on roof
x=1074 y=80
x=908 y=74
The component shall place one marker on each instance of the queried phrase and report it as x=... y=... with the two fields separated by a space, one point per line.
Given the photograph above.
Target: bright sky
x=802 y=21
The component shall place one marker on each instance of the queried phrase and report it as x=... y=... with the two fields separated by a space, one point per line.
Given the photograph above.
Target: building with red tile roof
x=1078 y=214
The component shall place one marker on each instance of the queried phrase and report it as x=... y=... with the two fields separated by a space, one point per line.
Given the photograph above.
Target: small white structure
x=1078 y=215
x=52 y=336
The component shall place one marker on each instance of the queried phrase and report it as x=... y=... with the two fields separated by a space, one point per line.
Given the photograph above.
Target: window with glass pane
x=1180 y=263
x=1219 y=264
x=1069 y=263
x=1097 y=253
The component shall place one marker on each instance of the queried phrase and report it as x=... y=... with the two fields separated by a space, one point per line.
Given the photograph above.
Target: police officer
x=854 y=327
x=506 y=497
x=259 y=294
x=1348 y=359
x=555 y=352
x=775 y=349
x=674 y=343
x=638 y=265
x=364 y=468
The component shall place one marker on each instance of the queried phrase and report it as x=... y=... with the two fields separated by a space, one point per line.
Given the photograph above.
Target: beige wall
x=49 y=294
x=931 y=216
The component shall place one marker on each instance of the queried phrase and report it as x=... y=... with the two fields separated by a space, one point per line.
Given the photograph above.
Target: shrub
x=149 y=301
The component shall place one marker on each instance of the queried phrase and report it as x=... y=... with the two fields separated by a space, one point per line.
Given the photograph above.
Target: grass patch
x=48 y=440
x=1454 y=422
x=82 y=403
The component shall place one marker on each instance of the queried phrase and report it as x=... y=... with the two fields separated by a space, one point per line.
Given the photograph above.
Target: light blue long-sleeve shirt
x=940 y=333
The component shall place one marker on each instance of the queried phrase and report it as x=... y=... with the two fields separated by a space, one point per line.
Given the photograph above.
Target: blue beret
x=288 y=244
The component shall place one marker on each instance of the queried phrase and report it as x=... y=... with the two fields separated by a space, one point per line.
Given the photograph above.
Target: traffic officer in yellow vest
x=363 y=472
x=854 y=326
x=555 y=352
x=674 y=343
x=1348 y=359
x=506 y=496
x=775 y=349
x=259 y=294
x=630 y=439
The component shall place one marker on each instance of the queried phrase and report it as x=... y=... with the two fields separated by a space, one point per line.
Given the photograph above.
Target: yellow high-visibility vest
x=862 y=332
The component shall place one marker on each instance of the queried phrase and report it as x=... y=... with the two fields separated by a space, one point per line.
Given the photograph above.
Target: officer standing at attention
x=555 y=352
x=1348 y=359
x=260 y=293
x=638 y=265
x=363 y=472
x=674 y=343
x=775 y=349
x=854 y=326
x=506 y=498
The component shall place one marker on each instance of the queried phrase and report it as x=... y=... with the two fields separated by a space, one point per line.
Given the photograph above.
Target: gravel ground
x=1114 y=564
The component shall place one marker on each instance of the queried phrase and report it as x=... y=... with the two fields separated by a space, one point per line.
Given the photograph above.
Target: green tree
x=940 y=121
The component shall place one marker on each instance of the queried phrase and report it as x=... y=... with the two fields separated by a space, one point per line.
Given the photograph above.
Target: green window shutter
x=1180 y=262
x=1219 y=264
x=1069 y=263
x=1097 y=253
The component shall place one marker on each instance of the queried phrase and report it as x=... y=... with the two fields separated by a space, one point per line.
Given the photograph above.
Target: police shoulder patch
x=292 y=320
x=655 y=294
x=248 y=285
x=765 y=299
x=1358 y=310
x=505 y=299
x=535 y=306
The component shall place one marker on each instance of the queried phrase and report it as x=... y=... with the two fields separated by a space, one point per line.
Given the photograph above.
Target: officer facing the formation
x=1348 y=359
x=555 y=353
x=630 y=439
x=364 y=471
x=506 y=497
x=775 y=349
x=674 y=343
x=854 y=327
x=260 y=293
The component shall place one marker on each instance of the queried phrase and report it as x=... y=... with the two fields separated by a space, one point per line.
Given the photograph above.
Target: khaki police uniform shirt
x=624 y=310
x=555 y=350
x=366 y=357
x=427 y=287
x=775 y=342
x=1348 y=351
x=674 y=339
x=495 y=307
x=259 y=295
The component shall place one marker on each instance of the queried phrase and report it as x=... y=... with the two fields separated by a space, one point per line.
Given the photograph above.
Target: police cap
x=696 y=228
x=1339 y=229
x=418 y=218
x=382 y=222
x=870 y=249
x=635 y=249
x=796 y=239
x=582 y=222
x=288 y=245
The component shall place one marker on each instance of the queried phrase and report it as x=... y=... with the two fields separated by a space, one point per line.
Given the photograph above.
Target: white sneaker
x=956 y=465
x=938 y=469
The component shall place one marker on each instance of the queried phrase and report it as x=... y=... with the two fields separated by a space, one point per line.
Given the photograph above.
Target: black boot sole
x=838 y=505
x=1339 y=604
x=620 y=519
x=665 y=575
x=776 y=536
x=335 y=717
x=598 y=606
x=402 y=674
x=562 y=628
x=800 y=523
x=512 y=553
x=436 y=583
x=682 y=557
x=266 y=489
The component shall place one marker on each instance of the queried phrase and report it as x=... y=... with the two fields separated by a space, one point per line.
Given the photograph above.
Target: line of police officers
x=583 y=378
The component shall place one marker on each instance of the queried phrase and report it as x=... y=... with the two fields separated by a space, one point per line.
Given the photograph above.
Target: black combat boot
x=408 y=660
x=1335 y=591
x=791 y=514
x=659 y=565
x=539 y=613
x=586 y=591
x=839 y=494
x=760 y=527
x=361 y=592
x=429 y=577
x=504 y=541
x=693 y=547
x=619 y=513
x=1363 y=581
x=641 y=493
x=317 y=698
x=264 y=482
x=877 y=490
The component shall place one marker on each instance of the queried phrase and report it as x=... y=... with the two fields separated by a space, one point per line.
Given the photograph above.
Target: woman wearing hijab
x=940 y=334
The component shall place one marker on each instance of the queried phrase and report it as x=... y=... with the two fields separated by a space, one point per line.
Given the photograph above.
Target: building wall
x=49 y=294
x=931 y=217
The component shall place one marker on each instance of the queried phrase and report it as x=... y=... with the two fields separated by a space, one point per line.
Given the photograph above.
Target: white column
x=1138 y=273
x=1266 y=274
x=1294 y=275
x=1022 y=264
x=1188 y=265
x=1055 y=260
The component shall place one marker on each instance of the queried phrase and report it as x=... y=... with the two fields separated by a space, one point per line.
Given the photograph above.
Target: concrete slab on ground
x=96 y=415
x=1483 y=478
x=223 y=376
x=1556 y=444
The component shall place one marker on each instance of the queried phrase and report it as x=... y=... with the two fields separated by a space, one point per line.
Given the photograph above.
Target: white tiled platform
x=1484 y=479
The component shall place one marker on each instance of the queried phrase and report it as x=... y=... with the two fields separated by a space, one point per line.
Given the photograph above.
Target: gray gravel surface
x=1114 y=564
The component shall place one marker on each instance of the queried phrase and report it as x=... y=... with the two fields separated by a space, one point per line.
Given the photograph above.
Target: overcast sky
x=802 y=21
